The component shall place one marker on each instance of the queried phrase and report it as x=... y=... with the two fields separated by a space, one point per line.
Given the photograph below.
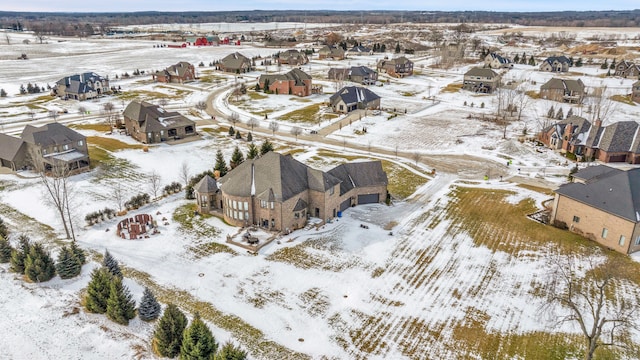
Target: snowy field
x=405 y=287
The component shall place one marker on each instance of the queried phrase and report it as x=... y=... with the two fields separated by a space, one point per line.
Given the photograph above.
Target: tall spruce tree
x=78 y=253
x=167 y=338
x=266 y=147
x=3 y=229
x=38 y=265
x=221 y=164
x=68 y=265
x=252 y=152
x=19 y=255
x=149 y=308
x=198 y=342
x=120 y=306
x=111 y=264
x=228 y=351
x=98 y=290
x=249 y=137
x=5 y=250
x=236 y=158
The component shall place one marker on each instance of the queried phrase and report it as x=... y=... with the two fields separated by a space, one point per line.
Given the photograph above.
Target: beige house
x=149 y=123
x=179 y=73
x=398 y=67
x=497 y=61
x=331 y=52
x=293 y=57
x=563 y=90
x=279 y=193
x=350 y=98
x=603 y=205
x=235 y=63
x=481 y=80
x=555 y=64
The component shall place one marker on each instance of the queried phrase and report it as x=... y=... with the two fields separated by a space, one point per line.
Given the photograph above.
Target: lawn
x=305 y=115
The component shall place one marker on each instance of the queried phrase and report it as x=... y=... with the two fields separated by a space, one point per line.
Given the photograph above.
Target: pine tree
x=19 y=255
x=198 y=342
x=3 y=229
x=551 y=113
x=613 y=64
x=579 y=62
x=228 y=351
x=231 y=131
x=523 y=59
x=111 y=264
x=516 y=59
x=38 y=265
x=221 y=164
x=167 y=338
x=238 y=135
x=570 y=112
x=252 y=152
x=5 y=250
x=78 y=253
x=68 y=265
x=3 y=93
x=98 y=290
x=266 y=147
x=120 y=306
x=532 y=61
x=236 y=158
x=560 y=114
x=605 y=64
x=149 y=307
x=397 y=47
x=249 y=137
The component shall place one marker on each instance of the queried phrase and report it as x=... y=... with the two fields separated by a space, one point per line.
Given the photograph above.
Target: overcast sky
x=208 y=5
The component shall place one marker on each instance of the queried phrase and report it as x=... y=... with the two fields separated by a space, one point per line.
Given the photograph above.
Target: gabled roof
x=501 y=60
x=565 y=84
x=360 y=49
x=561 y=59
x=353 y=95
x=206 y=185
x=617 y=194
x=334 y=50
x=361 y=71
x=81 y=83
x=235 y=61
x=9 y=147
x=153 y=118
x=359 y=174
x=50 y=134
x=618 y=137
x=483 y=72
x=297 y=75
x=179 y=69
x=580 y=129
x=594 y=173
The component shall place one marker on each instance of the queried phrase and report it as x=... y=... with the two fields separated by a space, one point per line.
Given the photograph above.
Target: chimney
x=598 y=123
x=568 y=130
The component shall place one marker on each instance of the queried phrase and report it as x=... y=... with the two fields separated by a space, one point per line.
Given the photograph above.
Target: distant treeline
x=83 y=22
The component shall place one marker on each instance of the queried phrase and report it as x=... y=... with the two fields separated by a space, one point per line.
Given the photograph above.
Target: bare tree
x=7 y=38
x=273 y=126
x=588 y=291
x=108 y=108
x=521 y=100
x=201 y=106
x=417 y=157
x=38 y=33
x=235 y=117
x=295 y=131
x=118 y=195
x=253 y=122
x=184 y=172
x=82 y=110
x=154 y=183
x=600 y=104
x=54 y=114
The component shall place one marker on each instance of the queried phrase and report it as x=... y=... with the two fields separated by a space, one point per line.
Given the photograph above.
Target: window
x=332 y=190
x=638 y=240
x=44 y=151
x=65 y=147
x=272 y=204
x=263 y=204
x=604 y=233
x=246 y=215
x=621 y=241
x=246 y=205
x=240 y=215
x=235 y=204
x=235 y=214
x=576 y=219
x=80 y=143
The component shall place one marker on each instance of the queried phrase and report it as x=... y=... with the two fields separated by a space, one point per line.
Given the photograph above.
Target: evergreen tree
x=68 y=265
x=221 y=164
x=532 y=61
x=3 y=93
x=149 y=307
x=523 y=59
x=228 y=351
x=383 y=48
x=38 y=265
x=579 y=62
x=249 y=137
x=111 y=264
x=120 y=306
x=266 y=147
x=551 y=113
x=98 y=290
x=236 y=158
x=605 y=65
x=167 y=338
x=232 y=132
x=570 y=112
x=516 y=59
x=5 y=250
x=252 y=152
x=560 y=114
x=19 y=255
x=238 y=135
x=78 y=253
x=613 y=64
x=397 y=47
x=3 y=229
x=198 y=342
x=22 y=90
x=608 y=72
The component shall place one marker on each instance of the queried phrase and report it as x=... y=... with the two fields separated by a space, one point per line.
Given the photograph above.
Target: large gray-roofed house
x=235 y=63
x=555 y=64
x=480 y=80
x=81 y=86
x=350 y=98
x=563 y=90
x=570 y=134
x=357 y=74
x=359 y=174
x=605 y=209
x=592 y=173
x=617 y=142
x=149 y=123
x=12 y=152
x=294 y=82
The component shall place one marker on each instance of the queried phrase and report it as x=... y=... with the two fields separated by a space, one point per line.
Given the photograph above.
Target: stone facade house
x=235 y=63
x=555 y=64
x=149 y=123
x=83 y=86
x=633 y=72
x=481 y=80
x=398 y=67
x=278 y=193
x=295 y=82
x=293 y=57
x=563 y=90
x=207 y=193
x=331 y=52
x=358 y=74
x=179 y=73
x=635 y=92
x=350 y=98
x=44 y=148
x=602 y=205
x=496 y=61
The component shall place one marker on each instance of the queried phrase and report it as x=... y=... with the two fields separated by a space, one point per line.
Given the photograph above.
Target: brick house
x=45 y=147
x=331 y=52
x=293 y=57
x=496 y=61
x=350 y=98
x=398 y=67
x=358 y=74
x=207 y=193
x=83 y=86
x=295 y=82
x=555 y=64
x=602 y=205
x=635 y=92
x=279 y=193
x=563 y=90
x=149 y=123
x=178 y=73
x=235 y=63
x=481 y=80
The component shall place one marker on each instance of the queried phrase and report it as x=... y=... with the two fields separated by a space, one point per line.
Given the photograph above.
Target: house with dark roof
x=358 y=74
x=568 y=135
x=635 y=92
x=398 y=67
x=149 y=123
x=481 y=80
x=234 y=63
x=83 y=86
x=295 y=82
x=563 y=90
x=44 y=148
x=207 y=195
x=293 y=57
x=178 y=73
x=555 y=64
x=331 y=52
x=602 y=205
x=627 y=69
x=497 y=61
x=360 y=50
x=279 y=193
x=616 y=142
x=350 y=98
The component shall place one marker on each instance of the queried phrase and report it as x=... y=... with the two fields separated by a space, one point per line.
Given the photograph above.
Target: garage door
x=345 y=204
x=617 y=158
x=368 y=199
